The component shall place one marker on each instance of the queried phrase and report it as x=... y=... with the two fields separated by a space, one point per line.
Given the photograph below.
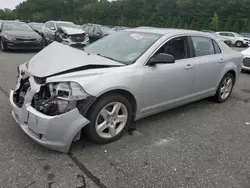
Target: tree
x=229 y=24
x=214 y=22
x=186 y=26
x=205 y=26
x=236 y=27
x=174 y=23
x=181 y=24
x=194 y=14
x=169 y=21
x=192 y=25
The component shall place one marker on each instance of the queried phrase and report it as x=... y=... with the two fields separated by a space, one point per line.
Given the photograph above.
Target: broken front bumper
x=53 y=132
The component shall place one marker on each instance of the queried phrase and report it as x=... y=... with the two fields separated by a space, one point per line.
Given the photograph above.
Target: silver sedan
x=129 y=75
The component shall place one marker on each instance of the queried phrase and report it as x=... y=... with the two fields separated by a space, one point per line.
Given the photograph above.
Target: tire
x=2 y=46
x=221 y=96
x=96 y=118
x=239 y=44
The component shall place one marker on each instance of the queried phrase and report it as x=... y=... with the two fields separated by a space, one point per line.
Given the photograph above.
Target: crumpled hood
x=72 y=31
x=29 y=34
x=58 y=58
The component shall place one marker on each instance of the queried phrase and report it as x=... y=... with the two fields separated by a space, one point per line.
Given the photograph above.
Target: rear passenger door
x=208 y=65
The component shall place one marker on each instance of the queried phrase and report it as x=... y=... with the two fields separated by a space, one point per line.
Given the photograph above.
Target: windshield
x=125 y=46
x=36 y=25
x=106 y=30
x=67 y=24
x=16 y=26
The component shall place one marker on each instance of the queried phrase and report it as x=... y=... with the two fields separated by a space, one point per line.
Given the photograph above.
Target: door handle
x=222 y=61
x=189 y=66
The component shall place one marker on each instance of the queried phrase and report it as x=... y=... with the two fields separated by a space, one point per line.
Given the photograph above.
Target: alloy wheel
x=111 y=120
x=226 y=88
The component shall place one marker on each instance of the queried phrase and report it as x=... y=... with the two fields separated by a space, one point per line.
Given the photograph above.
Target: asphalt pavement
x=203 y=144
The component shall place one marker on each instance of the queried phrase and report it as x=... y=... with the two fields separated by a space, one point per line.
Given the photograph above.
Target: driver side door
x=168 y=85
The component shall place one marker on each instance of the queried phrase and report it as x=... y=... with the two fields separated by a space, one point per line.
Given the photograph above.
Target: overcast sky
x=11 y=4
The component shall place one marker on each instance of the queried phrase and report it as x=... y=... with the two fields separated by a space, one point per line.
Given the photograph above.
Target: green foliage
x=214 y=22
x=192 y=25
x=174 y=23
x=236 y=27
x=169 y=21
x=186 y=26
x=229 y=24
x=7 y=14
x=181 y=24
x=193 y=14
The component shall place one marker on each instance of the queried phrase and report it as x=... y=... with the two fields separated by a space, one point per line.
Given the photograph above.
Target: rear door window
x=203 y=46
x=230 y=35
x=223 y=34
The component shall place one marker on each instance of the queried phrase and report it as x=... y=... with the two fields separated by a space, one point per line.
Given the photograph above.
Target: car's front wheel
x=109 y=116
x=239 y=44
x=225 y=88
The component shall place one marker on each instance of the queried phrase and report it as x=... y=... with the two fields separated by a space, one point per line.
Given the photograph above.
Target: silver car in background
x=123 y=77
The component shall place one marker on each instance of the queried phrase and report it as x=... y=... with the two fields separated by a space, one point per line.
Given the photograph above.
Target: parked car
x=18 y=35
x=96 y=32
x=118 y=28
x=246 y=59
x=245 y=35
x=214 y=34
x=208 y=31
x=65 y=32
x=123 y=77
x=235 y=38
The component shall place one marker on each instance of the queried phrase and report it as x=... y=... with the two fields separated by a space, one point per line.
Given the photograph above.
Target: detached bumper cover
x=53 y=132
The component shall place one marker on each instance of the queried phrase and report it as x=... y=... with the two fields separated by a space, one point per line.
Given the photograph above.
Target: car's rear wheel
x=239 y=44
x=225 y=88
x=109 y=117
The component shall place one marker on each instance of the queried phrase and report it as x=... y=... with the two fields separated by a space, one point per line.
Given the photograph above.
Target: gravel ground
x=203 y=144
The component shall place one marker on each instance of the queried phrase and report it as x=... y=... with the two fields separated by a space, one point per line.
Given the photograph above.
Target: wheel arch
x=125 y=93
x=233 y=73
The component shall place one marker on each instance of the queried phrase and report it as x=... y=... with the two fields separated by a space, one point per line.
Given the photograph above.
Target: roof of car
x=59 y=21
x=164 y=31
x=12 y=21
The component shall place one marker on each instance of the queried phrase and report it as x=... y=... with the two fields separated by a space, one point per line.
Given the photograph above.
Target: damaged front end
x=48 y=112
x=77 y=40
x=58 y=98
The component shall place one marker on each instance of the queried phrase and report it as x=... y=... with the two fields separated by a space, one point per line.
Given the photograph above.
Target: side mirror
x=161 y=58
x=0 y=30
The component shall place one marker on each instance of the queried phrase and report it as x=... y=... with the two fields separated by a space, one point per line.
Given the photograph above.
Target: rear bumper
x=53 y=132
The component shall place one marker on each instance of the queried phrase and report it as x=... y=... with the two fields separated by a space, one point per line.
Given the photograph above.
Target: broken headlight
x=67 y=91
x=58 y=98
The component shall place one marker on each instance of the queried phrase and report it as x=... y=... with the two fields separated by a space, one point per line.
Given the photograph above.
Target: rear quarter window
x=203 y=46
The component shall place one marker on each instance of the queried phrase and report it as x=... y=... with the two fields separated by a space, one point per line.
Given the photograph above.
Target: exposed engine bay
x=52 y=98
